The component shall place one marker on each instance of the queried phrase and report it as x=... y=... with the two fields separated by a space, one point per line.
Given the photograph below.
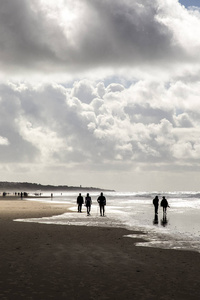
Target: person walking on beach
x=156 y=204
x=102 y=202
x=80 y=202
x=88 y=203
x=164 y=204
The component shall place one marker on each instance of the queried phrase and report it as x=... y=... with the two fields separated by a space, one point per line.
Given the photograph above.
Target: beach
x=42 y=261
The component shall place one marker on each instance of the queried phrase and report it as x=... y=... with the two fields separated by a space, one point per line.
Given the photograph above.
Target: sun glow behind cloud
x=64 y=12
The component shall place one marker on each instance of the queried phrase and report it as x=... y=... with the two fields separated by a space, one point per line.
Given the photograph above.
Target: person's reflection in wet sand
x=155 y=220
x=164 y=220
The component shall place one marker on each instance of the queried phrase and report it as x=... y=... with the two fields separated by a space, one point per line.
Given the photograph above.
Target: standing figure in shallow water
x=156 y=204
x=102 y=202
x=164 y=204
x=80 y=202
x=88 y=203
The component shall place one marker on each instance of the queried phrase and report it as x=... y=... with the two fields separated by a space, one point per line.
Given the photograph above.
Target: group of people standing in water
x=88 y=202
x=163 y=203
x=102 y=203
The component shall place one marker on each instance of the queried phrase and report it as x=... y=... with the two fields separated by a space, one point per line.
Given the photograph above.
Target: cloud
x=88 y=86
x=65 y=37
x=49 y=125
x=4 y=141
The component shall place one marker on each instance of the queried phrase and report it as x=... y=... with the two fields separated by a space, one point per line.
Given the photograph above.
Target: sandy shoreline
x=40 y=261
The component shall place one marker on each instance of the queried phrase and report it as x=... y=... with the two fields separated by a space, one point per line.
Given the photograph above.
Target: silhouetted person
x=164 y=204
x=102 y=202
x=88 y=203
x=156 y=204
x=80 y=202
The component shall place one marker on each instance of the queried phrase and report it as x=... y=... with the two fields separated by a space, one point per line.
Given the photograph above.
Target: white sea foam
x=134 y=211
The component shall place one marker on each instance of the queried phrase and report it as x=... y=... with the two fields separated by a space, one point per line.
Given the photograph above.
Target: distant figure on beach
x=79 y=202
x=164 y=204
x=102 y=202
x=156 y=204
x=88 y=203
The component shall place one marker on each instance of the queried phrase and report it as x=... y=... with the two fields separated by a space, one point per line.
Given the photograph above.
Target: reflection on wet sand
x=155 y=220
x=163 y=221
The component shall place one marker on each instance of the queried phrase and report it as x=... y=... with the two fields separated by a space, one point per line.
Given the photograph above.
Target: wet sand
x=39 y=261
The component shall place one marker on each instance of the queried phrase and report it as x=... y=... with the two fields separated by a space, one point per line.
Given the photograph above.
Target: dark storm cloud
x=104 y=34
x=29 y=39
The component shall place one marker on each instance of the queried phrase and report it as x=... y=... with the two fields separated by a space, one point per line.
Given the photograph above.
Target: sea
x=178 y=229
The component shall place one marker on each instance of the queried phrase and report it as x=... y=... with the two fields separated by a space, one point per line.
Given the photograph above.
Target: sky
x=101 y=93
x=188 y=3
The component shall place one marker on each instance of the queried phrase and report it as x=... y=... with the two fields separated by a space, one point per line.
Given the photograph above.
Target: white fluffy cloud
x=4 y=141
x=133 y=124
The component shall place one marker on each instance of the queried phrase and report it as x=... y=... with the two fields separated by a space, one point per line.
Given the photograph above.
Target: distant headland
x=27 y=186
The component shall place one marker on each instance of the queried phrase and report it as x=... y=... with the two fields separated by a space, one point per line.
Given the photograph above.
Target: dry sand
x=42 y=262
